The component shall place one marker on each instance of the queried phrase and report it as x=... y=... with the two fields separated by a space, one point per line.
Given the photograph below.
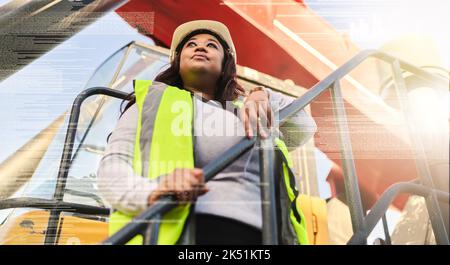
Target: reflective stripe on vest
x=170 y=125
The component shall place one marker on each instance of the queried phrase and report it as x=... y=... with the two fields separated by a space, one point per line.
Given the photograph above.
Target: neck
x=204 y=90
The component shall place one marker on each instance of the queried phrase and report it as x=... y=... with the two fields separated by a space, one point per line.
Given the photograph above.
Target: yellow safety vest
x=166 y=114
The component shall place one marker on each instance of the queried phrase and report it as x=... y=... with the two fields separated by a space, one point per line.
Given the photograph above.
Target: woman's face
x=201 y=56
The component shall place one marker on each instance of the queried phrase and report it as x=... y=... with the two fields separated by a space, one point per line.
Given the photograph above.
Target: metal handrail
x=267 y=171
x=50 y=204
x=350 y=178
x=66 y=158
x=166 y=203
x=435 y=214
x=57 y=205
x=382 y=205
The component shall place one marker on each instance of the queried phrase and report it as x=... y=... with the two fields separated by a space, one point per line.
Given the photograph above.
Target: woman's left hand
x=257 y=114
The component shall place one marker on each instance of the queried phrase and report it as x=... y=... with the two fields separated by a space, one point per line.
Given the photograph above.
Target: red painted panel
x=266 y=56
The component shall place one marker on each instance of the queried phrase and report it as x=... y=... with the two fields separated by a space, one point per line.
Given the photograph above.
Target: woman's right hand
x=185 y=184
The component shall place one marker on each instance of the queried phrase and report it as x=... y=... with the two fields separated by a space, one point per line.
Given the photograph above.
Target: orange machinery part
x=29 y=229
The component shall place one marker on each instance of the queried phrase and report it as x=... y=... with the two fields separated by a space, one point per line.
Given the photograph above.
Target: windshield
x=98 y=117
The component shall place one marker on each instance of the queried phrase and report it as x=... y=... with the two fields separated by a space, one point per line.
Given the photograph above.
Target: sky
x=41 y=91
x=372 y=23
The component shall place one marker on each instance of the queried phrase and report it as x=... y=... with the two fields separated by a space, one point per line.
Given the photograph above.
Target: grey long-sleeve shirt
x=234 y=193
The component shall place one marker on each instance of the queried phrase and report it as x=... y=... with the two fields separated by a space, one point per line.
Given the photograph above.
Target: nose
x=200 y=47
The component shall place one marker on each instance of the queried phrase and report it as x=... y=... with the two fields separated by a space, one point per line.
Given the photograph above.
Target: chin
x=201 y=69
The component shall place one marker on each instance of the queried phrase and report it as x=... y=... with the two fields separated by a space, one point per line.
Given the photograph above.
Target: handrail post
x=151 y=232
x=387 y=235
x=66 y=157
x=350 y=178
x=437 y=221
x=268 y=191
x=147 y=235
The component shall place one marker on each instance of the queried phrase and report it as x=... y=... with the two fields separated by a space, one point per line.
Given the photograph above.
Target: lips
x=200 y=56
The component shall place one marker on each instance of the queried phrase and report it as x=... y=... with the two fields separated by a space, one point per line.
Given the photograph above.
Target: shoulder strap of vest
x=296 y=214
x=289 y=176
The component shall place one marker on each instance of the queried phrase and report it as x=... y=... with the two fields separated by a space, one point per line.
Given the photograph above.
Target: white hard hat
x=182 y=31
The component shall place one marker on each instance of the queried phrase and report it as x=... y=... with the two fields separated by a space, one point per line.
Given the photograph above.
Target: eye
x=190 y=44
x=212 y=45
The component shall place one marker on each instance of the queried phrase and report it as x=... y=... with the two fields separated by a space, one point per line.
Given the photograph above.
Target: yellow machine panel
x=29 y=229
x=315 y=211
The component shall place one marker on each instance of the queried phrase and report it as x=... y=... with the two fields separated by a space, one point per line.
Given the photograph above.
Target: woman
x=203 y=63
